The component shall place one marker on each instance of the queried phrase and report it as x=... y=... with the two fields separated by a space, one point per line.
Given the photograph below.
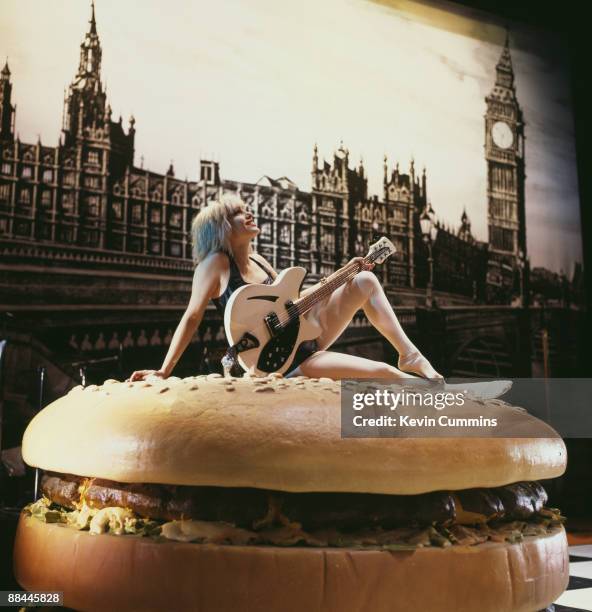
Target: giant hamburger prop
x=216 y=494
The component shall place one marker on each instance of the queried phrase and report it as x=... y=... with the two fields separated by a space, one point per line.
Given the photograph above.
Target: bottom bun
x=128 y=573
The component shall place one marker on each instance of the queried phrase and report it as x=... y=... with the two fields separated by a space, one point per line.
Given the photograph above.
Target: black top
x=235 y=280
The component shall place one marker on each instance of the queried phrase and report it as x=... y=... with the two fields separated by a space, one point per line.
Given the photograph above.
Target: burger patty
x=254 y=508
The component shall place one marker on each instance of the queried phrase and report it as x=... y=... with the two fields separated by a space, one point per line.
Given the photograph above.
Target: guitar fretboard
x=303 y=305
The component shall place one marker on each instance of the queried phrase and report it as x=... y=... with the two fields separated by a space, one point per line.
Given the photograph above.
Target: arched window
x=285 y=234
x=25 y=196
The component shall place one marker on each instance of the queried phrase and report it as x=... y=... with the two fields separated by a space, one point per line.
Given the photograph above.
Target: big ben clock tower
x=504 y=153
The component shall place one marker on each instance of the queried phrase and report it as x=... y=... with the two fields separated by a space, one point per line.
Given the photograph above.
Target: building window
x=6 y=168
x=135 y=245
x=303 y=238
x=175 y=219
x=266 y=233
x=46 y=198
x=48 y=176
x=27 y=172
x=206 y=173
x=116 y=241
x=3 y=225
x=155 y=216
x=92 y=182
x=137 y=213
x=92 y=157
x=154 y=247
x=267 y=211
x=25 y=197
x=502 y=238
x=117 y=208
x=89 y=237
x=69 y=178
x=400 y=254
x=93 y=206
x=4 y=193
x=67 y=202
x=22 y=228
x=398 y=215
x=66 y=234
x=175 y=249
x=287 y=211
x=285 y=234
x=327 y=243
x=45 y=231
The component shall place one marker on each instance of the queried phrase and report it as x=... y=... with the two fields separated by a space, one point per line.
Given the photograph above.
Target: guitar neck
x=342 y=276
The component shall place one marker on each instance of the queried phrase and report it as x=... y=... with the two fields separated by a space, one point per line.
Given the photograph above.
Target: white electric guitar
x=265 y=324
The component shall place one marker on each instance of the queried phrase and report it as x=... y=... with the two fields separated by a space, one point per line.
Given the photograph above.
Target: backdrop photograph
x=447 y=130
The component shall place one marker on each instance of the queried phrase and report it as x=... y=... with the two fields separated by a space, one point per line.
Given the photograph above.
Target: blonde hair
x=210 y=229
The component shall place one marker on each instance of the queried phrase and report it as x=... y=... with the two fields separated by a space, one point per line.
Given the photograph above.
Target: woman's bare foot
x=416 y=363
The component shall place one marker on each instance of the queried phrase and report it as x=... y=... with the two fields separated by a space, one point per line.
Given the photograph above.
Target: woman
x=222 y=235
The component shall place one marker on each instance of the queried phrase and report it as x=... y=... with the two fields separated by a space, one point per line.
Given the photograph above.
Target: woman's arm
x=206 y=284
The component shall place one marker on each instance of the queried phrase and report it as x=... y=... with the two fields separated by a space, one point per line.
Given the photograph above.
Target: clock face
x=502 y=135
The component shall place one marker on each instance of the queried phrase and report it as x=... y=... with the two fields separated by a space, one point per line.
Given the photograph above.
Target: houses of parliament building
x=85 y=203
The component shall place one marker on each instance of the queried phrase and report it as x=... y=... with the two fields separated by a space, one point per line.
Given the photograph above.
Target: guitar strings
x=344 y=275
x=328 y=287
x=325 y=291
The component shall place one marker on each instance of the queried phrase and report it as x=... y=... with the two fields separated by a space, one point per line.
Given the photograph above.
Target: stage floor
x=578 y=596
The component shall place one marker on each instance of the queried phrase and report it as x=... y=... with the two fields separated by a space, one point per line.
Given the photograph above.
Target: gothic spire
x=93 y=23
x=86 y=102
x=504 y=68
x=89 y=69
x=7 y=109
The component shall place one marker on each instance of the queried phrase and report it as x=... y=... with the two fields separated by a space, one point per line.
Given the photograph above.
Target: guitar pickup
x=273 y=324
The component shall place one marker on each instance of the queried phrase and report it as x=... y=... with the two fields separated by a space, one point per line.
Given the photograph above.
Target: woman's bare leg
x=340 y=365
x=336 y=312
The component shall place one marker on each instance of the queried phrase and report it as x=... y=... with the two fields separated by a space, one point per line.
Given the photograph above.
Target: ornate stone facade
x=86 y=199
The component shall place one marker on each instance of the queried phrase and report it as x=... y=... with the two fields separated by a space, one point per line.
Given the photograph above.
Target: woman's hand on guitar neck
x=360 y=261
x=144 y=374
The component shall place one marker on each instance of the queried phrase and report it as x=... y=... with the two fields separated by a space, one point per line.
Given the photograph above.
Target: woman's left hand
x=360 y=261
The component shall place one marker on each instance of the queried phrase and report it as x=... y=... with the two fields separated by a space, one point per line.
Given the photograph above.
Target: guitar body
x=265 y=324
x=246 y=312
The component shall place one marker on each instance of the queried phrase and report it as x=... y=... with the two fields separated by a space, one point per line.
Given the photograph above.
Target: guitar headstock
x=380 y=250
